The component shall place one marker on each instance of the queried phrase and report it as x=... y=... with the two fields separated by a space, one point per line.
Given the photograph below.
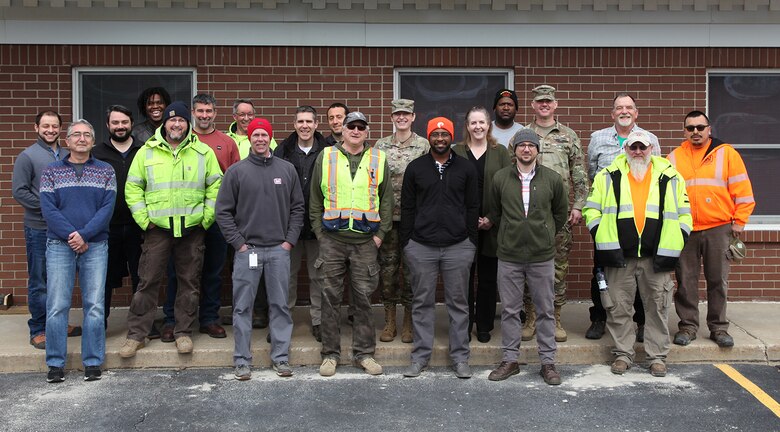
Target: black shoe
x=154 y=333
x=684 y=337
x=596 y=330
x=483 y=337
x=92 y=373
x=55 y=375
x=316 y=332
x=640 y=333
x=722 y=338
x=167 y=333
x=259 y=322
x=268 y=337
x=351 y=319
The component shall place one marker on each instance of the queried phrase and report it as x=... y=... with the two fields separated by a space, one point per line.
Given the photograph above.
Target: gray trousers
x=311 y=249
x=540 y=279
x=425 y=263
x=274 y=261
x=710 y=247
x=656 y=292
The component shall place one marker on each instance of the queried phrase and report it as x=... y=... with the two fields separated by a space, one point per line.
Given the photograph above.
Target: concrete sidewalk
x=754 y=327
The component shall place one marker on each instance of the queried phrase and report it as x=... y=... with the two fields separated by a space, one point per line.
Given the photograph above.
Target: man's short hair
x=78 y=122
x=306 y=109
x=147 y=94
x=239 y=102
x=47 y=113
x=696 y=113
x=120 y=109
x=205 y=99
x=623 y=94
x=339 y=105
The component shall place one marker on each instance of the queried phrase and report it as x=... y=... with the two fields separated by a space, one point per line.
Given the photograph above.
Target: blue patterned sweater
x=72 y=203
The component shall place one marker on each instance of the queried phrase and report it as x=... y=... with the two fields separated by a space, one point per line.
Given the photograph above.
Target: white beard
x=638 y=167
x=625 y=121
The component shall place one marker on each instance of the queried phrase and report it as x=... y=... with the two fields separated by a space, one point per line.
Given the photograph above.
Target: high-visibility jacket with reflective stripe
x=351 y=203
x=242 y=141
x=718 y=185
x=174 y=190
x=612 y=225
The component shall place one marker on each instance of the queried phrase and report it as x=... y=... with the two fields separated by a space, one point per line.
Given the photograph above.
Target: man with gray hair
x=77 y=201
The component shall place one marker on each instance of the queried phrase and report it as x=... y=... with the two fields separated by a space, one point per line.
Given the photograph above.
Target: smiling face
x=80 y=140
x=260 y=141
x=697 y=137
x=336 y=120
x=119 y=126
x=440 y=140
x=477 y=124
x=353 y=135
x=48 y=129
x=245 y=113
x=402 y=120
x=624 y=112
x=305 y=125
x=204 y=115
x=544 y=109
x=176 y=129
x=154 y=108
x=526 y=153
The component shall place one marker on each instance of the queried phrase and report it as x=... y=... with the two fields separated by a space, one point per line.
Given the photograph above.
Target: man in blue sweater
x=77 y=200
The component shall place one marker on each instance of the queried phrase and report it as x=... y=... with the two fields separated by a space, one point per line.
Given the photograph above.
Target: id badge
x=252 y=260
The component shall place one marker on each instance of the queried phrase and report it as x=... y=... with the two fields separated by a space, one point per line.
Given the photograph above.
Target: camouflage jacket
x=398 y=157
x=561 y=150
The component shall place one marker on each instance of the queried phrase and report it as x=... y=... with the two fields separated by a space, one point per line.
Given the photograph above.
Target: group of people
x=161 y=200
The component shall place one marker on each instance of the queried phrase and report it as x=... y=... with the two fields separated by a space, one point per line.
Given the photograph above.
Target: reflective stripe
x=652 y=208
x=668 y=252
x=179 y=211
x=744 y=200
x=151 y=187
x=609 y=210
x=704 y=182
x=333 y=160
x=626 y=208
x=373 y=170
x=674 y=182
x=210 y=202
x=594 y=223
x=149 y=168
x=137 y=206
x=609 y=181
x=684 y=210
x=201 y=168
x=608 y=246
x=685 y=228
x=135 y=180
x=671 y=215
x=593 y=205
x=210 y=181
x=719 y=163
x=738 y=178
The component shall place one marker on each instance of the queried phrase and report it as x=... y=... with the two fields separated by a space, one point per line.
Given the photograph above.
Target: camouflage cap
x=403 y=105
x=544 y=92
x=353 y=117
x=737 y=250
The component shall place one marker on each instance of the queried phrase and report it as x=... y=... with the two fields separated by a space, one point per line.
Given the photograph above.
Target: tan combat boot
x=389 y=332
x=529 y=328
x=560 y=333
x=406 y=332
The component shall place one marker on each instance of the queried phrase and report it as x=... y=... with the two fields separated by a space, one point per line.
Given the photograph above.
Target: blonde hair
x=467 y=136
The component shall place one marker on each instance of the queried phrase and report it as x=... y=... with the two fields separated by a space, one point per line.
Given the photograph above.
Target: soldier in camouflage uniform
x=560 y=150
x=401 y=147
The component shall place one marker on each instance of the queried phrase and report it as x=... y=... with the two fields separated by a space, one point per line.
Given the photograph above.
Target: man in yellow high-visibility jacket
x=351 y=210
x=171 y=190
x=639 y=216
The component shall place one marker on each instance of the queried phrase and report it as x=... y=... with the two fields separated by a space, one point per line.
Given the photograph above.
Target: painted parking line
x=748 y=385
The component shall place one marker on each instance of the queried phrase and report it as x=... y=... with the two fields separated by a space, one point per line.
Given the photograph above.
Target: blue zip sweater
x=78 y=203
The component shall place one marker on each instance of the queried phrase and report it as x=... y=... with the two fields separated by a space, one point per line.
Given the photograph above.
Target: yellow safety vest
x=351 y=204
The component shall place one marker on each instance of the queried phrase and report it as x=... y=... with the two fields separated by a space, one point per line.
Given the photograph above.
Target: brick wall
x=667 y=82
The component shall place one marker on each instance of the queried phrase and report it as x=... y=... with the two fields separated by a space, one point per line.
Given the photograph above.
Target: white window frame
x=762 y=222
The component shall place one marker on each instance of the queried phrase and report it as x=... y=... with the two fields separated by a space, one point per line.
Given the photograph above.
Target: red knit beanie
x=260 y=123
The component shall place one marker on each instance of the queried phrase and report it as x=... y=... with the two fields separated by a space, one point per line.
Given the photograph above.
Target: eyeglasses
x=526 y=145
x=360 y=127
x=440 y=135
x=637 y=146
x=79 y=135
x=699 y=128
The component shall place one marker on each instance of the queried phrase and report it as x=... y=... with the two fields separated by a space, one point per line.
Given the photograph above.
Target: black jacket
x=439 y=209
x=108 y=153
x=304 y=165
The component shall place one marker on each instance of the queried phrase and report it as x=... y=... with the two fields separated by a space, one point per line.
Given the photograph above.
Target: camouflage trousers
x=563 y=242
x=335 y=259
x=395 y=290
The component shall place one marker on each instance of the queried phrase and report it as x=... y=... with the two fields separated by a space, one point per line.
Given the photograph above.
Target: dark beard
x=120 y=139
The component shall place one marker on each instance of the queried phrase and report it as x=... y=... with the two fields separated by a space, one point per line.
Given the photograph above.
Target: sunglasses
x=637 y=146
x=699 y=128
x=360 y=127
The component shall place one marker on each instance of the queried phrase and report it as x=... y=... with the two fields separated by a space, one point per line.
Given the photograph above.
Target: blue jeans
x=62 y=263
x=35 y=242
x=214 y=258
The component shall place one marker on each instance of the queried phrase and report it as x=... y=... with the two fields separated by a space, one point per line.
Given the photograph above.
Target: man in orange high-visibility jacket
x=721 y=201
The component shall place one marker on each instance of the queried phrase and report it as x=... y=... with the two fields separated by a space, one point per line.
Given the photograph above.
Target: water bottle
x=601 y=280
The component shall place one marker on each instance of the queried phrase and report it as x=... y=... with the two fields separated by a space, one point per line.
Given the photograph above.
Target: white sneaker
x=328 y=367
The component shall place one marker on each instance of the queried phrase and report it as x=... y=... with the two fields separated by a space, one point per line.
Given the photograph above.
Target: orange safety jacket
x=718 y=185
